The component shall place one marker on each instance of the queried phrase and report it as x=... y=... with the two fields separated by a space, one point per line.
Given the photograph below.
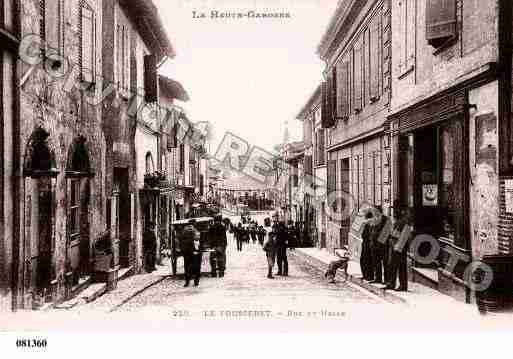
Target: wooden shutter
x=320 y=142
x=358 y=75
x=343 y=89
x=334 y=101
x=126 y=58
x=52 y=24
x=325 y=112
x=150 y=78
x=375 y=59
x=87 y=42
x=440 y=21
x=307 y=132
x=332 y=176
x=172 y=139
x=119 y=54
x=308 y=166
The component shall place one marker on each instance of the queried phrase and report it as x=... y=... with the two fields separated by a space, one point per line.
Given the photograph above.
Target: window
x=358 y=75
x=150 y=78
x=406 y=18
x=123 y=56
x=375 y=49
x=74 y=207
x=320 y=153
x=87 y=42
x=441 y=22
x=343 y=88
x=182 y=158
x=149 y=163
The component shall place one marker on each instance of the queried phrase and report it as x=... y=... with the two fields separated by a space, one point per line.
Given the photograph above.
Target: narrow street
x=244 y=292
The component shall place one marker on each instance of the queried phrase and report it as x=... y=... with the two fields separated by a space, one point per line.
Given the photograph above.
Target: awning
x=172 y=89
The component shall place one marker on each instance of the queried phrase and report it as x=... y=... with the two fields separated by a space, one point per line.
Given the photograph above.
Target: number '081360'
x=31 y=343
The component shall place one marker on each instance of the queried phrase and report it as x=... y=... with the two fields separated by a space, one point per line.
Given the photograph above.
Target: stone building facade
x=75 y=75
x=314 y=137
x=355 y=104
x=450 y=126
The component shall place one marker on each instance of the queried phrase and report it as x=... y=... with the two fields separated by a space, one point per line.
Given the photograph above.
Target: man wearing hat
x=191 y=251
x=218 y=242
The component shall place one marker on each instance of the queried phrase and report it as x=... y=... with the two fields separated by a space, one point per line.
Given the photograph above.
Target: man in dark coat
x=150 y=248
x=218 y=243
x=282 y=241
x=379 y=243
x=398 y=250
x=239 y=234
x=366 y=254
x=261 y=235
x=190 y=247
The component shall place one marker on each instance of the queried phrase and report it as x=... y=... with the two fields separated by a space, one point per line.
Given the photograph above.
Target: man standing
x=270 y=252
x=239 y=236
x=366 y=253
x=282 y=241
x=379 y=242
x=261 y=235
x=190 y=247
x=399 y=239
x=150 y=248
x=218 y=242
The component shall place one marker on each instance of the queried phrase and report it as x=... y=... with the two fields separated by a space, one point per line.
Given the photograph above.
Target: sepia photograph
x=330 y=177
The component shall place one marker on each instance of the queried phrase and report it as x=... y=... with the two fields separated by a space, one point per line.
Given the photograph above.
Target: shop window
x=448 y=205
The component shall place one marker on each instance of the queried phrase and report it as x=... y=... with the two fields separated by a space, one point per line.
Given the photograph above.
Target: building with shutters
x=314 y=137
x=355 y=98
x=134 y=45
x=53 y=179
x=450 y=125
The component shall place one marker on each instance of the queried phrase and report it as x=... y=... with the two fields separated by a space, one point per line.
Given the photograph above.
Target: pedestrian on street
x=239 y=233
x=218 y=243
x=399 y=243
x=261 y=235
x=150 y=248
x=282 y=241
x=366 y=253
x=380 y=231
x=342 y=262
x=270 y=251
x=253 y=231
x=190 y=247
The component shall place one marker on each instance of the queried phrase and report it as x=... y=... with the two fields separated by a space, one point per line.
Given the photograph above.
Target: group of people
x=383 y=257
x=253 y=231
x=276 y=249
x=192 y=251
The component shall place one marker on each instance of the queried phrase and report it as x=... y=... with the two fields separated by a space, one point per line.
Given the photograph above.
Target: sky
x=246 y=76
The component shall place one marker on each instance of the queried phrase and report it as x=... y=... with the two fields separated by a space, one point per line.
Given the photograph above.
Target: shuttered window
x=441 y=21
x=87 y=50
x=343 y=88
x=182 y=158
x=308 y=165
x=325 y=113
x=375 y=60
x=332 y=183
x=358 y=75
x=320 y=147
x=172 y=137
x=406 y=37
x=150 y=78
x=307 y=132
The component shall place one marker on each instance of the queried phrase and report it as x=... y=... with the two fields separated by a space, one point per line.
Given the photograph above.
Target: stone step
x=426 y=276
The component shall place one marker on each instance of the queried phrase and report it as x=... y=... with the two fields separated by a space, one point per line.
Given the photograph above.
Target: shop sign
x=430 y=195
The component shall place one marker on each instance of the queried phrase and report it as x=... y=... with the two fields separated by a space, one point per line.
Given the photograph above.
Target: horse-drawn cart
x=202 y=225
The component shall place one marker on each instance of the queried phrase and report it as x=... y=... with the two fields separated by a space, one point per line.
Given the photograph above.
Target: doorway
x=124 y=220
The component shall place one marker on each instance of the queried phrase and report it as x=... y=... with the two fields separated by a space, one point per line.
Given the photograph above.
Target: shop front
x=446 y=156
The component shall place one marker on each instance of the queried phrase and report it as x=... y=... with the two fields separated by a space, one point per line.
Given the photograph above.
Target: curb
x=374 y=289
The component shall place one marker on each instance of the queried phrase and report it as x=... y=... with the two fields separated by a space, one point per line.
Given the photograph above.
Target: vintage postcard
x=254 y=166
